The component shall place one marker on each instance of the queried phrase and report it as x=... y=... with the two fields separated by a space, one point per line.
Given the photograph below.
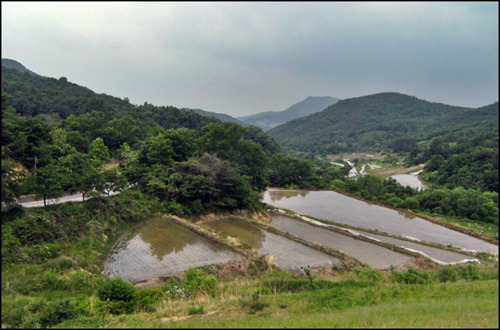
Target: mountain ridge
x=373 y=122
x=269 y=119
x=10 y=63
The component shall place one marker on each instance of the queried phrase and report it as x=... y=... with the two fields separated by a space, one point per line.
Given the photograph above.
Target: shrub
x=197 y=281
x=256 y=304
x=412 y=276
x=14 y=312
x=147 y=298
x=447 y=274
x=191 y=310
x=40 y=253
x=469 y=272
x=117 y=296
x=369 y=273
x=55 y=312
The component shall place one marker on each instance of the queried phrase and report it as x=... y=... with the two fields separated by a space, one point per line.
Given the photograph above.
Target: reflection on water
x=243 y=231
x=288 y=194
x=289 y=254
x=330 y=205
x=160 y=248
x=374 y=255
x=164 y=237
x=406 y=215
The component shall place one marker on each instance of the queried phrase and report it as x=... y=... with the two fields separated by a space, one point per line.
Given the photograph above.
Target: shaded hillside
x=375 y=122
x=270 y=119
x=220 y=116
x=15 y=65
x=34 y=94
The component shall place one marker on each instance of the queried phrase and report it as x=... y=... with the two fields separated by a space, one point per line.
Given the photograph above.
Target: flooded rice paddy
x=333 y=206
x=289 y=254
x=371 y=254
x=161 y=248
x=409 y=180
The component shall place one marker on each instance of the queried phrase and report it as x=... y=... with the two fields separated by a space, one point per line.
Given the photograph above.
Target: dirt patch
x=386 y=172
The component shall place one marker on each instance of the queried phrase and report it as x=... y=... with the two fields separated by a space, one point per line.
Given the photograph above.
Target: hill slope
x=270 y=119
x=15 y=65
x=220 y=116
x=374 y=122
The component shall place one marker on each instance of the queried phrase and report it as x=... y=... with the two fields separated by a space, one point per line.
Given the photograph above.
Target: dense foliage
x=52 y=145
x=378 y=122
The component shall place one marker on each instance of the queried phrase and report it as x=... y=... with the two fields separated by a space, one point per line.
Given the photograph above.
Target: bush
x=447 y=274
x=412 y=276
x=469 y=272
x=40 y=253
x=369 y=273
x=117 y=296
x=197 y=281
x=147 y=298
x=55 y=312
x=191 y=310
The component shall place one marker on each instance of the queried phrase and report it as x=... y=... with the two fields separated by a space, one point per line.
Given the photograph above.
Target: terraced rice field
x=289 y=254
x=371 y=254
x=341 y=209
x=161 y=248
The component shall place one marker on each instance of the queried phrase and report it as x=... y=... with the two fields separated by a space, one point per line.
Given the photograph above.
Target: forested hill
x=376 y=122
x=220 y=116
x=15 y=65
x=270 y=119
x=32 y=95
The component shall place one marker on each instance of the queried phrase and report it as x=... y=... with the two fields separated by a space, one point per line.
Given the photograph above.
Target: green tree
x=98 y=150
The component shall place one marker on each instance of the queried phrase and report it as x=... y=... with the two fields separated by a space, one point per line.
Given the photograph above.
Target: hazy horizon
x=243 y=58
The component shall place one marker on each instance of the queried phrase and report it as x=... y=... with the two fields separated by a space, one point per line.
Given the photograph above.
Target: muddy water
x=161 y=248
x=289 y=254
x=371 y=254
x=409 y=180
x=329 y=205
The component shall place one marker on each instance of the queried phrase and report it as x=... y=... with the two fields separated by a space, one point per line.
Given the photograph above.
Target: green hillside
x=376 y=122
x=15 y=65
x=220 y=116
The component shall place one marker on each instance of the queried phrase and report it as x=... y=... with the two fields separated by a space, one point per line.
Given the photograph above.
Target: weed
x=192 y=310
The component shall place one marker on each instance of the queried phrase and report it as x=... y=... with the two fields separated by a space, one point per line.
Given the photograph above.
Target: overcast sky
x=242 y=58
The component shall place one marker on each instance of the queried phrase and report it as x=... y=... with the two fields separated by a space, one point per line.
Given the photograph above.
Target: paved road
x=71 y=198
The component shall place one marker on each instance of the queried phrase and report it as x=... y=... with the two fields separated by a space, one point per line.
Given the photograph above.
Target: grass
x=450 y=305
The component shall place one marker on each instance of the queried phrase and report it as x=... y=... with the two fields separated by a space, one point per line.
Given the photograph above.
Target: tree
x=48 y=182
x=11 y=182
x=98 y=150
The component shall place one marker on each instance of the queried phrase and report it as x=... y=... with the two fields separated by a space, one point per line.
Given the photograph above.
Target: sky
x=242 y=58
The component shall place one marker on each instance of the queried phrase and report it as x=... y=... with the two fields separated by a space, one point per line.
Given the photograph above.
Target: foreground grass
x=449 y=305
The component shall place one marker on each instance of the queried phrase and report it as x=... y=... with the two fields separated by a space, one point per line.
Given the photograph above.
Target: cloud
x=246 y=57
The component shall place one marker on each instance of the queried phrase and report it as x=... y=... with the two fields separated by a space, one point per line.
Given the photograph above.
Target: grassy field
x=349 y=301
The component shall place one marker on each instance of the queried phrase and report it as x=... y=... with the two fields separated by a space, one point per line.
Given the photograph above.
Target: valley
x=195 y=219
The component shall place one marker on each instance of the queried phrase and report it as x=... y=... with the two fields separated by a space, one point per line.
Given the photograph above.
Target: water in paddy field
x=409 y=180
x=161 y=248
x=290 y=255
x=333 y=206
x=371 y=254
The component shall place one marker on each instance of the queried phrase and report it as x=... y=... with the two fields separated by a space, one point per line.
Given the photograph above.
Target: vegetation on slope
x=376 y=122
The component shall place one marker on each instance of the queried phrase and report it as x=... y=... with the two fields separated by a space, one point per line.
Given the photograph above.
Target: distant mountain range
x=270 y=119
x=375 y=122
